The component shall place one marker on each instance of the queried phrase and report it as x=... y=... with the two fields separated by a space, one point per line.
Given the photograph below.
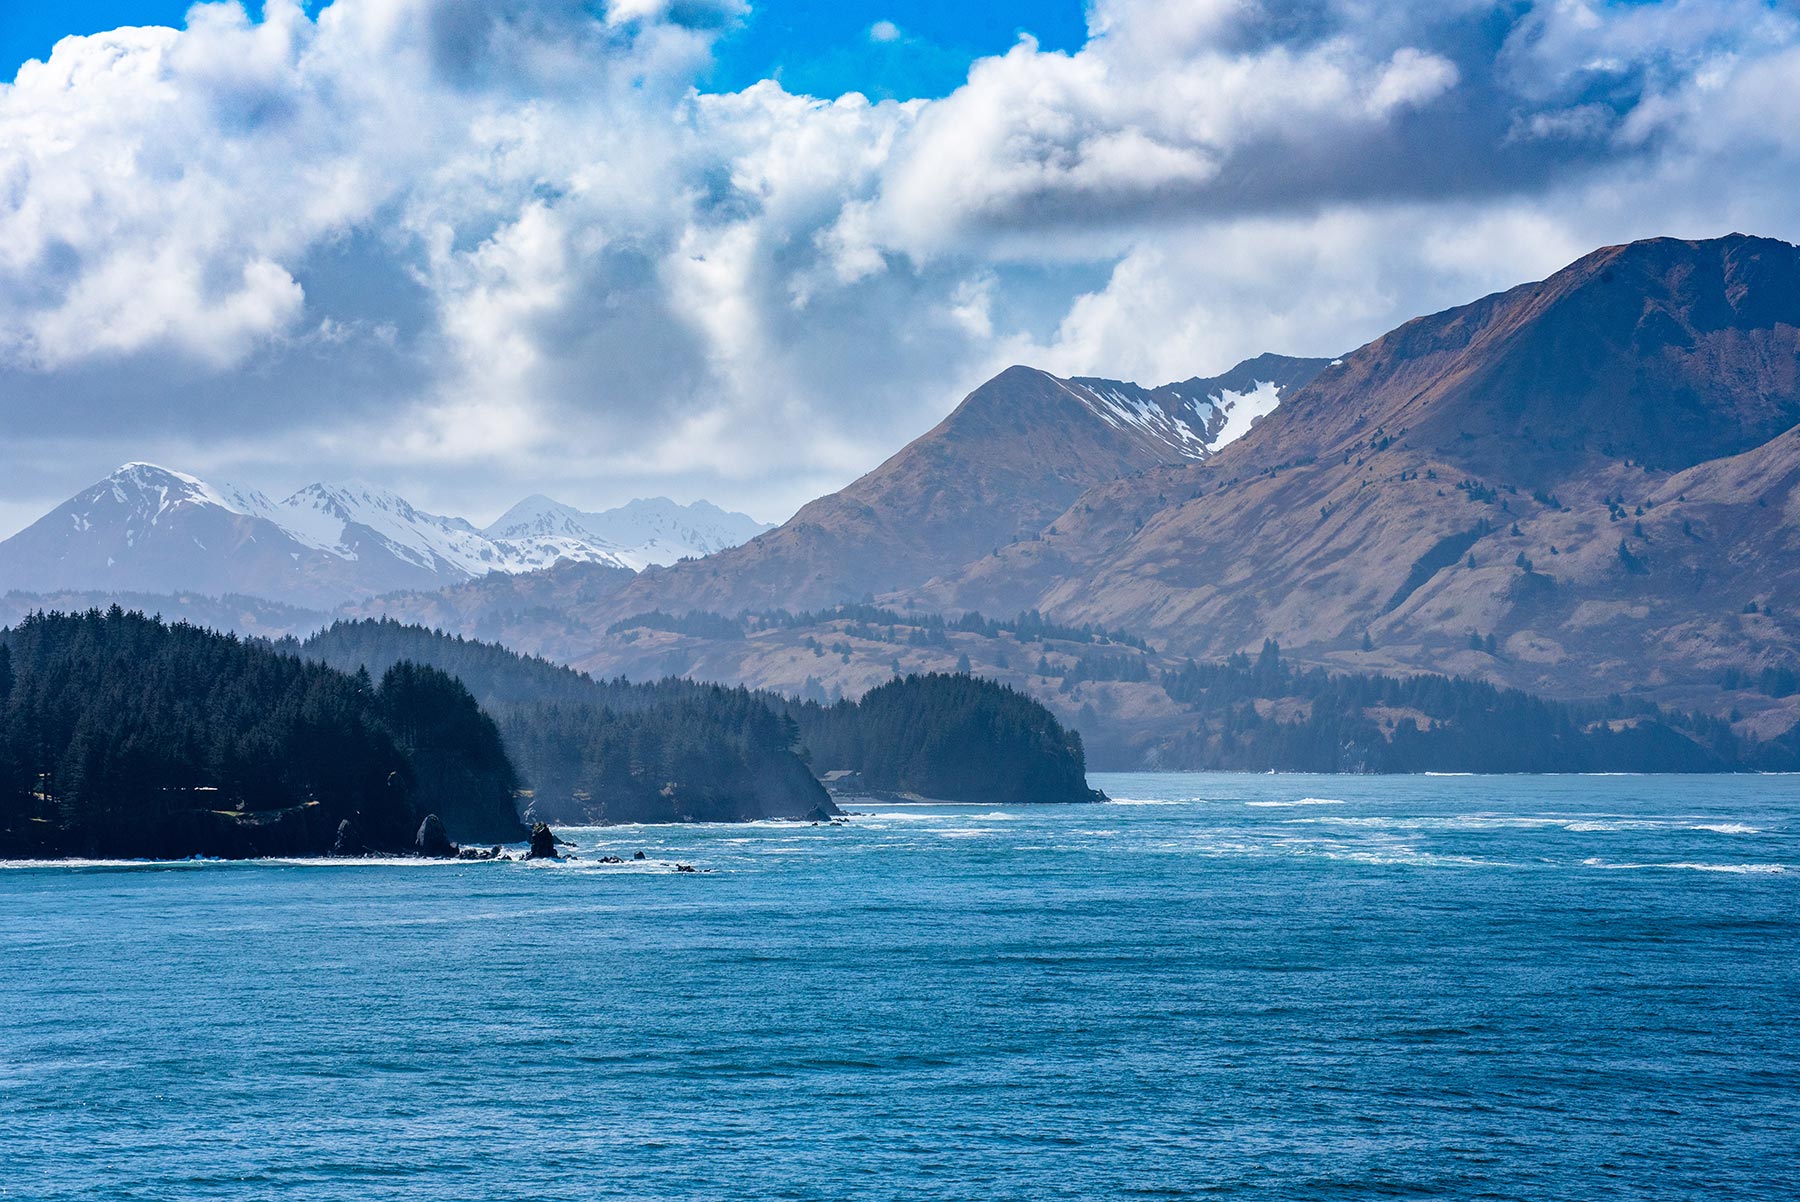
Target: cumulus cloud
x=481 y=247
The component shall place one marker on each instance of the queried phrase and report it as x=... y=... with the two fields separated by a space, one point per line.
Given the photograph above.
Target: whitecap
x=1304 y=801
x=1692 y=866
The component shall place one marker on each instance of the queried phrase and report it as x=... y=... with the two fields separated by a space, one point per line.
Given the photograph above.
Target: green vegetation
x=679 y=750
x=1265 y=714
x=123 y=736
x=607 y=751
x=700 y=623
x=876 y=624
x=952 y=737
x=1772 y=682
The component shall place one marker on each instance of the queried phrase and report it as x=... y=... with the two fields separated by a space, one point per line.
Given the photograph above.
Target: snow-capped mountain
x=150 y=529
x=347 y=518
x=642 y=532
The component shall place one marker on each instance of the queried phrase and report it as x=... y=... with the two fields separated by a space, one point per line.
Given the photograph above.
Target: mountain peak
x=139 y=467
x=1665 y=352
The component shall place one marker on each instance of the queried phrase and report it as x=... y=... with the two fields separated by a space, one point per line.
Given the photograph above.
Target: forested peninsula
x=122 y=736
x=126 y=737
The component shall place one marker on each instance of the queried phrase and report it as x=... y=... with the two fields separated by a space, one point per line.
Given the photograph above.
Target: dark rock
x=349 y=840
x=543 y=843
x=612 y=859
x=638 y=856
x=432 y=839
x=685 y=868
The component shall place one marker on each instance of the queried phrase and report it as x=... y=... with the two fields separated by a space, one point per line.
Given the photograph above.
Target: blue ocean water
x=1276 y=987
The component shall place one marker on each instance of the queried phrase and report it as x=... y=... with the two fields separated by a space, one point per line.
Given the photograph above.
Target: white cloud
x=509 y=234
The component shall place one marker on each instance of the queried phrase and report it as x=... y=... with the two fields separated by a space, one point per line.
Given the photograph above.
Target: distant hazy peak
x=654 y=530
x=150 y=528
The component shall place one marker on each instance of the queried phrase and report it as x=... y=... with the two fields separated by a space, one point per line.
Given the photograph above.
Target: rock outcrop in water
x=432 y=840
x=543 y=843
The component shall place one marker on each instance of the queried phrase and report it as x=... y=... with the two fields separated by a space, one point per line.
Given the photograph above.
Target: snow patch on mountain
x=1126 y=406
x=1189 y=420
x=1241 y=410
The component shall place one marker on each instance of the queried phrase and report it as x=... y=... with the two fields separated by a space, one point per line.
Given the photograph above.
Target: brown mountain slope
x=1011 y=457
x=1598 y=471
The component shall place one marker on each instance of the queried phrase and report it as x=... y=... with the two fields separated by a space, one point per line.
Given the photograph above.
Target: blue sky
x=820 y=48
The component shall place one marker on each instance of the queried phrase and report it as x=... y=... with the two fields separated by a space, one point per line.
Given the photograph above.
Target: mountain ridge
x=646 y=531
x=1575 y=492
x=1009 y=457
x=151 y=529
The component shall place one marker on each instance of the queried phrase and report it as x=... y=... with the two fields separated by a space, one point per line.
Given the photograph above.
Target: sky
x=744 y=249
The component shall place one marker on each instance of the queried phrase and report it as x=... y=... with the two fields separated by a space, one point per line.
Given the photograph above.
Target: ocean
x=1280 y=987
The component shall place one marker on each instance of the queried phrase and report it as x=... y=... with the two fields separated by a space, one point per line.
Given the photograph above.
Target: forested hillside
x=1262 y=713
x=607 y=751
x=123 y=736
x=680 y=750
x=949 y=736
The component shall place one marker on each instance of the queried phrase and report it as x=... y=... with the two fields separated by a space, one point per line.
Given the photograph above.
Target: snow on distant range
x=150 y=529
x=641 y=533
x=338 y=518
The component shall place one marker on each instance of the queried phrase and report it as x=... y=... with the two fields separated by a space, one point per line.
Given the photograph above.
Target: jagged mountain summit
x=646 y=531
x=150 y=529
x=1196 y=418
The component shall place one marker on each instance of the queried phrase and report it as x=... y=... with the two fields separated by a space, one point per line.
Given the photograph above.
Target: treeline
x=612 y=751
x=699 y=623
x=876 y=624
x=948 y=736
x=1028 y=627
x=680 y=750
x=1772 y=682
x=1262 y=713
x=123 y=736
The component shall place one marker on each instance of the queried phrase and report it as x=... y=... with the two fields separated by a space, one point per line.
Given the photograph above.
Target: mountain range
x=1595 y=476
x=1583 y=486
x=149 y=529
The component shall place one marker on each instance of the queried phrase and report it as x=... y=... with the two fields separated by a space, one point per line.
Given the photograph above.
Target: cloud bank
x=484 y=247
